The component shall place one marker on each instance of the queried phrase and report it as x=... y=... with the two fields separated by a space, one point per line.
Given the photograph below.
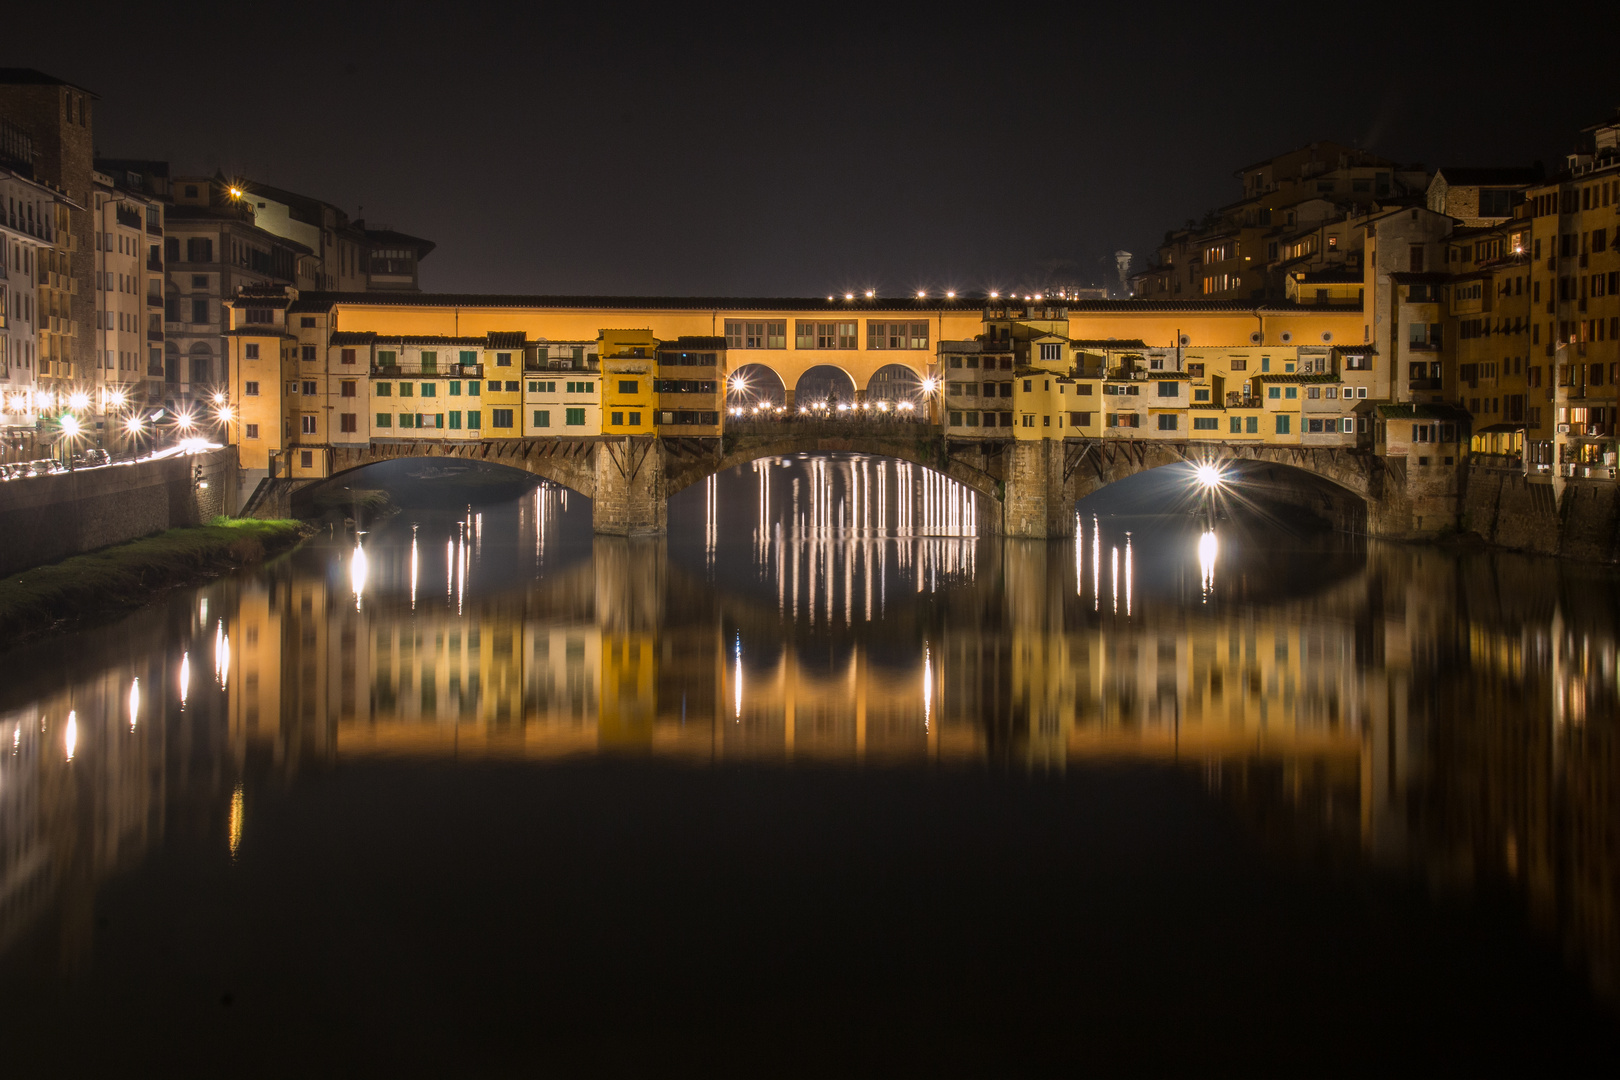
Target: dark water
x=820 y=785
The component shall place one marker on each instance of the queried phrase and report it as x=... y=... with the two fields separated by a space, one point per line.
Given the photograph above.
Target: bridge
x=1025 y=488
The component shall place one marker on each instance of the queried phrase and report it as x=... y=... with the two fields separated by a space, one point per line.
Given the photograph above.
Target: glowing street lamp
x=79 y=400
x=71 y=426
x=1209 y=476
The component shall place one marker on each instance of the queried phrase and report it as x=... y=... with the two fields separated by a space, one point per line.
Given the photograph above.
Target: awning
x=1499 y=429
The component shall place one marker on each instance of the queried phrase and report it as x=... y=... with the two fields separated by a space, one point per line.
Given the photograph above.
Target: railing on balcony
x=414 y=371
x=154 y=301
x=130 y=219
x=154 y=335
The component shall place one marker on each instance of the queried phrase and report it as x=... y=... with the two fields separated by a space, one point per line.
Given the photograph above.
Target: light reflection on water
x=1411 y=706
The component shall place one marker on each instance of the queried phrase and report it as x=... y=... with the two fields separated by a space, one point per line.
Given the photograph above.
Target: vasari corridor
x=638 y=543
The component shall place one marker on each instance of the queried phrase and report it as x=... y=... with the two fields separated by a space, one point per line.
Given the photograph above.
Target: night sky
x=802 y=149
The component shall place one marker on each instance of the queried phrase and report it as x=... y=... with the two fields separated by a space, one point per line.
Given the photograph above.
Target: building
x=1298 y=212
x=129 y=277
x=56 y=117
x=27 y=221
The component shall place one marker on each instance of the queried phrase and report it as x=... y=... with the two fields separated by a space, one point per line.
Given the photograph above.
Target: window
x=1167 y=421
x=308 y=387
x=385 y=420
x=430 y=389
x=406 y=389
x=574 y=417
x=473 y=386
x=474 y=419
x=1292 y=393
x=250 y=389
x=616 y=418
x=200 y=250
x=308 y=352
x=542 y=418
x=501 y=418
x=635 y=419
x=1284 y=424
x=387 y=358
x=899 y=335
x=306 y=459
x=503 y=359
x=1169 y=389
x=755 y=335
x=580 y=387
x=628 y=386
x=253 y=431
x=346 y=422
x=346 y=388
x=455 y=421
x=1234 y=425
x=825 y=335
x=250 y=351
x=407 y=420
x=1198 y=394
x=346 y=356
x=1274 y=392
x=468 y=357
x=383 y=389
x=1076 y=419
x=1051 y=351
x=455 y=387
x=307 y=322
x=1251 y=425
x=199 y=309
x=511 y=386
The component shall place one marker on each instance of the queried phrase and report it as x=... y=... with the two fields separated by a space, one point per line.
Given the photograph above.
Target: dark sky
x=801 y=149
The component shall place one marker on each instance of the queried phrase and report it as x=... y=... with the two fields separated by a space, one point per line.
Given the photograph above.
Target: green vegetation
x=79 y=589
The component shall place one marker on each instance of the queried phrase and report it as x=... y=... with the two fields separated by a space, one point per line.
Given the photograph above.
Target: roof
x=1456 y=176
x=323 y=301
x=501 y=339
x=1300 y=377
x=367 y=337
x=394 y=238
x=1498 y=429
x=1330 y=277
x=1423 y=412
x=689 y=342
x=31 y=77
x=1109 y=343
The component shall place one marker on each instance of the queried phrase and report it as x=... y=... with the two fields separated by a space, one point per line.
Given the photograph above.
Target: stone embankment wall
x=46 y=518
x=1513 y=511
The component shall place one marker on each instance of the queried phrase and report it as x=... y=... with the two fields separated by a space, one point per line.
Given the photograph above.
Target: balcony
x=127 y=217
x=154 y=229
x=1423 y=384
x=154 y=301
x=154 y=335
x=417 y=371
x=155 y=265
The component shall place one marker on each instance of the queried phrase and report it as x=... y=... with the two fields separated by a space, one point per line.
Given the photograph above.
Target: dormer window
x=260 y=316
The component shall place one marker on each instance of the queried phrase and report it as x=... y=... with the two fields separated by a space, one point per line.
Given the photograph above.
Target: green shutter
x=455 y=421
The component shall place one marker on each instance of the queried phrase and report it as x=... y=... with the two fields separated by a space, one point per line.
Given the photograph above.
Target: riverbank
x=80 y=590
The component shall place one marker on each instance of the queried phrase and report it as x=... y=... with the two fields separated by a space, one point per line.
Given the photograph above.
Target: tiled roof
x=687 y=343
x=500 y=339
x=367 y=337
x=1423 y=412
x=1324 y=377
x=1108 y=343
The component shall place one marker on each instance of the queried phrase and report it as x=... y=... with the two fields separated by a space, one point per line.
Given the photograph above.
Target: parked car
x=13 y=470
x=89 y=459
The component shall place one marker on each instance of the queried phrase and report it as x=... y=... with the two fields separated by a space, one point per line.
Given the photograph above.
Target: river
x=823 y=783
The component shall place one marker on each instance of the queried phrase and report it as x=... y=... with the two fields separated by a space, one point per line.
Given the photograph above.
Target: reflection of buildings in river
x=91 y=777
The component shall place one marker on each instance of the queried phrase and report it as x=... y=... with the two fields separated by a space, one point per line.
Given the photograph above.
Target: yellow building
x=629 y=371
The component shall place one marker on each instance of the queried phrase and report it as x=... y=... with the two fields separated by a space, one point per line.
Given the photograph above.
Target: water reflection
x=1419 y=708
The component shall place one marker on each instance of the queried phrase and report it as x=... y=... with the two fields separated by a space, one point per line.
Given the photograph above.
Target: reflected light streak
x=1128 y=575
x=235 y=825
x=1115 y=561
x=185 y=675
x=928 y=685
x=134 y=703
x=737 y=683
x=1207 y=550
x=70 y=735
x=358 y=568
x=415 y=565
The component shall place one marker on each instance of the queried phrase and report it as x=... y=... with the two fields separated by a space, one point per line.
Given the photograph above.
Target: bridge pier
x=630 y=497
x=1035 y=505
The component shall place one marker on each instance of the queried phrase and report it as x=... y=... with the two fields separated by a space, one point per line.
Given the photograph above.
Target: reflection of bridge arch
x=570 y=463
x=1089 y=465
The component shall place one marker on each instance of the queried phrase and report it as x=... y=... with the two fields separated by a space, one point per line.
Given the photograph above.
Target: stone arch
x=570 y=463
x=754 y=384
x=824 y=382
x=895 y=383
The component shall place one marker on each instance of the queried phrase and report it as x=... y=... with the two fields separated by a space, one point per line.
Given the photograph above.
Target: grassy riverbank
x=67 y=594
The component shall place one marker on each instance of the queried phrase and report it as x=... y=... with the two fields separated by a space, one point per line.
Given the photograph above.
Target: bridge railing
x=792 y=424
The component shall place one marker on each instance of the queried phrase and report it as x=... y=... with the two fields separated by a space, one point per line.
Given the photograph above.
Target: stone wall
x=46 y=518
x=631 y=496
x=1509 y=510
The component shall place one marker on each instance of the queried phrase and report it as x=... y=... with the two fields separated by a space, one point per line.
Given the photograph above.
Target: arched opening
x=754 y=386
x=824 y=385
x=895 y=383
